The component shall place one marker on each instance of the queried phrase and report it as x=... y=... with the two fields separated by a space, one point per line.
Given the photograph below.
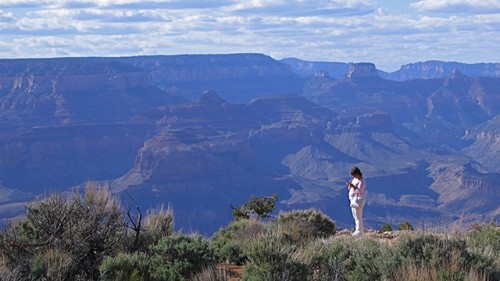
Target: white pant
x=357 y=214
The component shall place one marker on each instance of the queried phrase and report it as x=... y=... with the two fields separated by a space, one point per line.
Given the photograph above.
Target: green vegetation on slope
x=90 y=237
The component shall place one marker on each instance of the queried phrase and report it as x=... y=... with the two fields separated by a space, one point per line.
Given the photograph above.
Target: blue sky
x=388 y=33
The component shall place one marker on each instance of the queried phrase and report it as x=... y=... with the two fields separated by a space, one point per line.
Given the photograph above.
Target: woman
x=357 y=199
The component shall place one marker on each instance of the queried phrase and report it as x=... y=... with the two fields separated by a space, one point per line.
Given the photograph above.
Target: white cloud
x=304 y=8
x=334 y=30
x=149 y=4
x=459 y=6
x=6 y=16
x=105 y=15
x=22 y=3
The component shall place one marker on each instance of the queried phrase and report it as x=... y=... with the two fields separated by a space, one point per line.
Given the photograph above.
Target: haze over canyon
x=204 y=132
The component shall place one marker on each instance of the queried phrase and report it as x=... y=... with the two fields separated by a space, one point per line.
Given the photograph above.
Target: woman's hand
x=349 y=185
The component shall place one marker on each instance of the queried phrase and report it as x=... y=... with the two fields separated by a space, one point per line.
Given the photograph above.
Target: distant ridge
x=311 y=68
x=419 y=70
x=441 y=69
x=184 y=75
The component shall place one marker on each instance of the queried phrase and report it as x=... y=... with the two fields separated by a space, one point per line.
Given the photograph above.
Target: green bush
x=427 y=249
x=448 y=257
x=134 y=266
x=271 y=258
x=50 y=265
x=26 y=231
x=262 y=207
x=372 y=260
x=484 y=239
x=229 y=251
x=329 y=261
x=228 y=242
x=344 y=258
x=405 y=225
x=484 y=244
x=305 y=225
x=157 y=224
x=177 y=257
x=66 y=235
x=16 y=247
x=385 y=228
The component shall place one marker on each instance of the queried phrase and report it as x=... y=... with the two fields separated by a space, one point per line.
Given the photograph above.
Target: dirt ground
x=235 y=271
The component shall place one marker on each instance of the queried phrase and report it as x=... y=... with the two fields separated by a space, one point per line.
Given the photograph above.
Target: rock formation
x=204 y=132
x=420 y=70
x=361 y=70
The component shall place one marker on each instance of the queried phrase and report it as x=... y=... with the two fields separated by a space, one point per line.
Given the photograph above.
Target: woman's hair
x=356 y=171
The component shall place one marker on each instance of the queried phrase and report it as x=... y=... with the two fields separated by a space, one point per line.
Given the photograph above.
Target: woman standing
x=357 y=199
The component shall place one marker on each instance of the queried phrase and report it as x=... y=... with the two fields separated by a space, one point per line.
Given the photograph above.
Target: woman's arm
x=349 y=185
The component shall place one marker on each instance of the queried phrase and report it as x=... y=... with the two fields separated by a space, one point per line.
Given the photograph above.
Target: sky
x=389 y=33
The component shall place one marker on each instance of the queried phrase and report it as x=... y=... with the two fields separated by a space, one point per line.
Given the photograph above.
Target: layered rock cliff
x=361 y=70
x=412 y=71
x=148 y=127
x=441 y=69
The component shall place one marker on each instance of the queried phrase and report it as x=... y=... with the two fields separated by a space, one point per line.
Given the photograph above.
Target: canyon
x=202 y=133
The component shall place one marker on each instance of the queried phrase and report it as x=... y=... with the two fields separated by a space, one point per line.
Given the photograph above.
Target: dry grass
x=9 y=275
x=414 y=272
x=160 y=222
x=212 y=274
x=100 y=196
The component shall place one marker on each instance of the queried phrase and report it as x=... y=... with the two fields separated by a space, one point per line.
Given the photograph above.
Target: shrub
x=160 y=223
x=427 y=249
x=7 y=274
x=305 y=225
x=157 y=224
x=271 y=258
x=448 y=258
x=95 y=228
x=372 y=260
x=405 y=225
x=178 y=256
x=385 y=228
x=484 y=244
x=413 y=272
x=329 y=261
x=229 y=251
x=51 y=265
x=484 y=239
x=262 y=207
x=83 y=229
x=228 y=242
x=125 y=266
x=16 y=247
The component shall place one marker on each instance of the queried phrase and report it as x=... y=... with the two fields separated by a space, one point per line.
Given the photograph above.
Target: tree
x=261 y=207
x=405 y=225
x=385 y=228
